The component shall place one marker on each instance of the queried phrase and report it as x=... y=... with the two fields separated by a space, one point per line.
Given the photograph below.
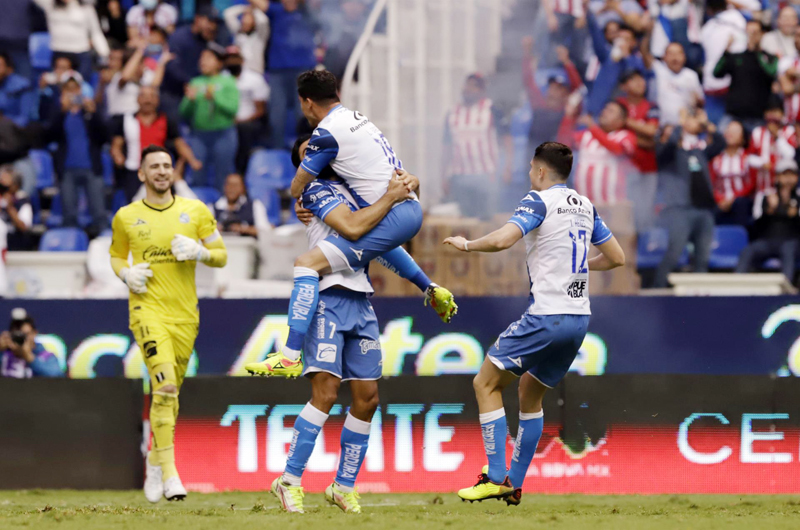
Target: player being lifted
x=360 y=154
x=161 y=232
x=344 y=343
x=558 y=225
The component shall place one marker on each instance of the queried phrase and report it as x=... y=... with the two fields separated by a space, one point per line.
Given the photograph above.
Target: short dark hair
x=62 y=55
x=763 y=27
x=318 y=85
x=150 y=149
x=630 y=74
x=622 y=107
x=296 y=149
x=625 y=27
x=16 y=325
x=716 y=6
x=556 y=156
x=774 y=103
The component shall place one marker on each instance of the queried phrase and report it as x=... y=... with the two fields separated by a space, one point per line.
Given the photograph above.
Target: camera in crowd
x=19 y=319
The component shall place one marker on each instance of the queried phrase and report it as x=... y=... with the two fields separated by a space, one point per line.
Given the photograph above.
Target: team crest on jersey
x=139 y=222
x=184 y=218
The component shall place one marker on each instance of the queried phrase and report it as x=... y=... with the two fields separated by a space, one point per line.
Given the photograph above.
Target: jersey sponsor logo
x=572 y=200
x=575 y=211
x=321 y=308
x=320 y=328
x=155 y=254
x=150 y=349
x=357 y=127
x=367 y=345
x=516 y=360
x=326 y=353
x=489 y=442
x=184 y=218
x=139 y=221
x=312 y=147
x=525 y=209
x=358 y=252
x=577 y=289
x=144 y=234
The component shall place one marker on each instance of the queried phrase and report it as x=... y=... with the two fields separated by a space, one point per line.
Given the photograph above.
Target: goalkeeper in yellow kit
x=167 y=236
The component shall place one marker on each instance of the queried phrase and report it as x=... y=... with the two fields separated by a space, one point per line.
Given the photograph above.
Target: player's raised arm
x=321 y=150
x=352 y=225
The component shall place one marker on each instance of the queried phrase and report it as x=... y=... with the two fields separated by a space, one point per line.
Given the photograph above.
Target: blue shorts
x=343 y=338
x=542 y=345
x=399 y=226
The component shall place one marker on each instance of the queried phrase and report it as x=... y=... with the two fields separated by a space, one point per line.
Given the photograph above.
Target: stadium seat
x=118 y=201
x=108 y=168
x=56 y=217
x=729 y=241
x=40 y=52
x=651 y=248
x=269 y=169
x=64 y=240
x=43 y=162
x=272 y=201
x=207 y=194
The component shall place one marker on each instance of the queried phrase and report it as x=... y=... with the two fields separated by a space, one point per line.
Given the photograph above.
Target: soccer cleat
x=486 y=489
x=442 y=301
x=291 y=497
x=348 y=502
x=153 y=485
x=276 y=365
x=515 y=498
x=174 y=490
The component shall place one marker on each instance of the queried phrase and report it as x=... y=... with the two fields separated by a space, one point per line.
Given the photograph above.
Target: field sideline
x=89 y=510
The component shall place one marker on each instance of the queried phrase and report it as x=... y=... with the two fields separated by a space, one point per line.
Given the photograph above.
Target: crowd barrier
x=627 y=335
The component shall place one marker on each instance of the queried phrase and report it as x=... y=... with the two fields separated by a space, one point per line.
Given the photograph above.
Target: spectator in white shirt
x=253 y=96
x=249 y=26
x=74 y=31
x=122 y=93
x=677 y=87
x=725 y=29
x=780 y=41
x=145 y=15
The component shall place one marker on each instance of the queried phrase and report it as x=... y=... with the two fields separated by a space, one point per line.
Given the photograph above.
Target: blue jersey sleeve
x=321 y=150
x=530 y=213
x=320 y=199
x=601 y=233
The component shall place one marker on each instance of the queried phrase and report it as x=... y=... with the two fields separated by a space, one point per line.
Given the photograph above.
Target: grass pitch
x=89 y=510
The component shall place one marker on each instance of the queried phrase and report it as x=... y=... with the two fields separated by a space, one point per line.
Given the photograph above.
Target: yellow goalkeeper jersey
x=146 y=231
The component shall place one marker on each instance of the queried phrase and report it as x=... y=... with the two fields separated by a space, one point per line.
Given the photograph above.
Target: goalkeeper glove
x=136 y=277
x=186 y=249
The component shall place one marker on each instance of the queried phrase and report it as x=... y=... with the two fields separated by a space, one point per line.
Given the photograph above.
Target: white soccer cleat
x=291 y=497
x=153 y=484
x=174 y=490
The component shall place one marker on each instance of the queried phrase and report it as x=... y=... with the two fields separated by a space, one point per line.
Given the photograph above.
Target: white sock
x=290 y=353
x=344 y=489
x=290 y=480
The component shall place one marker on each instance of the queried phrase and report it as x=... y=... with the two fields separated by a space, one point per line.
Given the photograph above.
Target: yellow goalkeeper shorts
x=163 y=343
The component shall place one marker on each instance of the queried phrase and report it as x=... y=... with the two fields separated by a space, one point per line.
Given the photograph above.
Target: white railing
x=411 y=62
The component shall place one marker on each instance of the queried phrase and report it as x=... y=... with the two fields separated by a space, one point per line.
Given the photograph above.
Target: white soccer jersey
x=558 y=224
x=356 y=150
x=321 y=197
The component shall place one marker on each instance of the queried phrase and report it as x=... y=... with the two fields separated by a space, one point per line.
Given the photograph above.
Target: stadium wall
x=627 y=335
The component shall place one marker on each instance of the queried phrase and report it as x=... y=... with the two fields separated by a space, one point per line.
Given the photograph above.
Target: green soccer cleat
x=486 y=489
x=276 y=365
x=291 y=497
x=348 y=502
x=442 y=301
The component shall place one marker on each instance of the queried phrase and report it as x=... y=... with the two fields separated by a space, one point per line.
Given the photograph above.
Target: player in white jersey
x=557 y=224
x=344 y=343
x=357 y=151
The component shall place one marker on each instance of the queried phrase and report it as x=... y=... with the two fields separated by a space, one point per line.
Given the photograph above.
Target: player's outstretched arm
x=352 y=225
x=301 y=179
x=500 y=239
x=611 y=256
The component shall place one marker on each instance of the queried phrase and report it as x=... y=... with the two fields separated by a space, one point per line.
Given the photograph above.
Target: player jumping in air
x=167 y=236
x=344 y=342
x=558 y=224
x=359 y=153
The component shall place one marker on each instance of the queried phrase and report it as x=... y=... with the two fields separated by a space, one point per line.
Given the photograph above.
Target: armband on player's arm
x=217 y=253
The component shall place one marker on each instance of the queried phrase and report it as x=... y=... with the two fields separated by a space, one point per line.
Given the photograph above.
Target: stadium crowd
x=685 y=109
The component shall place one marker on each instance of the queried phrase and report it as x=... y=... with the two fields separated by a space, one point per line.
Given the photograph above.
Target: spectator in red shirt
x=732 y=179
x=769 y=144
x=131 y=133
x=604 y=150
x=642 y=180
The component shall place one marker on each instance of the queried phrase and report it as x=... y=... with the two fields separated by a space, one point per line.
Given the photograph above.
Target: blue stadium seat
x=108 y=168
x=56 y=217
x=729 y=241
x=64 y=240
x=40 y=52
x=272 y=201
x=651 y=248
x=207 y=194
x=269 y=169
x=43 y=162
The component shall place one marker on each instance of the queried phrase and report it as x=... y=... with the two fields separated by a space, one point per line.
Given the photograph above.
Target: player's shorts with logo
x=343 y=338
x=542 y=345
x=164 y=343
x=399 y=226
